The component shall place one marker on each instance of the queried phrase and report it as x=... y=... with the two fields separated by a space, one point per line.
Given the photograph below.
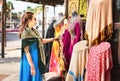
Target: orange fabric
x=56 y=61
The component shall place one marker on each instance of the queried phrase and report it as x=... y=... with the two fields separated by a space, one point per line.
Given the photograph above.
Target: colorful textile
x=99 y=21
x=66 y=39
x=99 y=63
x=32 y=33
x=25 y=74
x=71 y=36
x=76 y=70
x=56 y=60
x=82 y=8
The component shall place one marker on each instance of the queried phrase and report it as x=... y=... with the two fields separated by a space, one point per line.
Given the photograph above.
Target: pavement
x=9 y=66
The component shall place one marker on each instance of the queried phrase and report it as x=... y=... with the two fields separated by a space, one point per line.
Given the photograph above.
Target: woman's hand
x=33 y=72
x=57 y=38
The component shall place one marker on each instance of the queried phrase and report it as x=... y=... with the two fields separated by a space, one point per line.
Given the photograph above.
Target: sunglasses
x=35 y=19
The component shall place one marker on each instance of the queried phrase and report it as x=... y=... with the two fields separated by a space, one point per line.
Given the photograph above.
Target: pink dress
x=71 y=36
x=99 y=63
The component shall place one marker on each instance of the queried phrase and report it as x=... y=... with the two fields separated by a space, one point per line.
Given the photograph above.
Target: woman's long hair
x=24 y=21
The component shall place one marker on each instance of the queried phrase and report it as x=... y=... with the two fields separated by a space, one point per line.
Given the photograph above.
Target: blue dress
x=25 y=73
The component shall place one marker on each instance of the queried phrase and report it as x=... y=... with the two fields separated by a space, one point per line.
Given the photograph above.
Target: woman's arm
x=49 y=40
x=29 y=58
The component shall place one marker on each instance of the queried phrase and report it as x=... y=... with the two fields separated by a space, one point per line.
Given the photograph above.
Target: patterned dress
x=56 y=60
x=99 y=63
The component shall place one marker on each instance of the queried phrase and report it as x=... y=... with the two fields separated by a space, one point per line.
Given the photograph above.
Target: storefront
x=115 y=40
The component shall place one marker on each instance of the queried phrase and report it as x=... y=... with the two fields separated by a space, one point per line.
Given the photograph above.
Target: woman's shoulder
x=25 y=33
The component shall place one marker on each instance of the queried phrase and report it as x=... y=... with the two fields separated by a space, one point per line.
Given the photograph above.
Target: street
x=9 y=66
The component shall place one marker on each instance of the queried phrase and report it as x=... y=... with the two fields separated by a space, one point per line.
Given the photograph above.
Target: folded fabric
x=76 y=70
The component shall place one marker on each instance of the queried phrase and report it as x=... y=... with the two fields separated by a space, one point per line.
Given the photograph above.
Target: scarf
x=32 y=33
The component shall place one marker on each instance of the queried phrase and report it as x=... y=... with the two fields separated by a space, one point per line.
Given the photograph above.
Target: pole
x=3 y=27
x=54 y=10
x=10 y=17
x=66 y=8
x=43 y=28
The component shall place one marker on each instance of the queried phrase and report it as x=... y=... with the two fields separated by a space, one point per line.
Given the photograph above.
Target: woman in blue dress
x=33 y=62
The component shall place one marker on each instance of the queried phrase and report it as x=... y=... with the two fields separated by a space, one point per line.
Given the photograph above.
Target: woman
x=32 y=64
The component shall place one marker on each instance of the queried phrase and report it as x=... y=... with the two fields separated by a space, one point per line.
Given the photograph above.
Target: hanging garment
x=99 y=21
x=99 y=63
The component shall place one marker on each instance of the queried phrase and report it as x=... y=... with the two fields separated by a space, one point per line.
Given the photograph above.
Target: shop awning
x=45 y=2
